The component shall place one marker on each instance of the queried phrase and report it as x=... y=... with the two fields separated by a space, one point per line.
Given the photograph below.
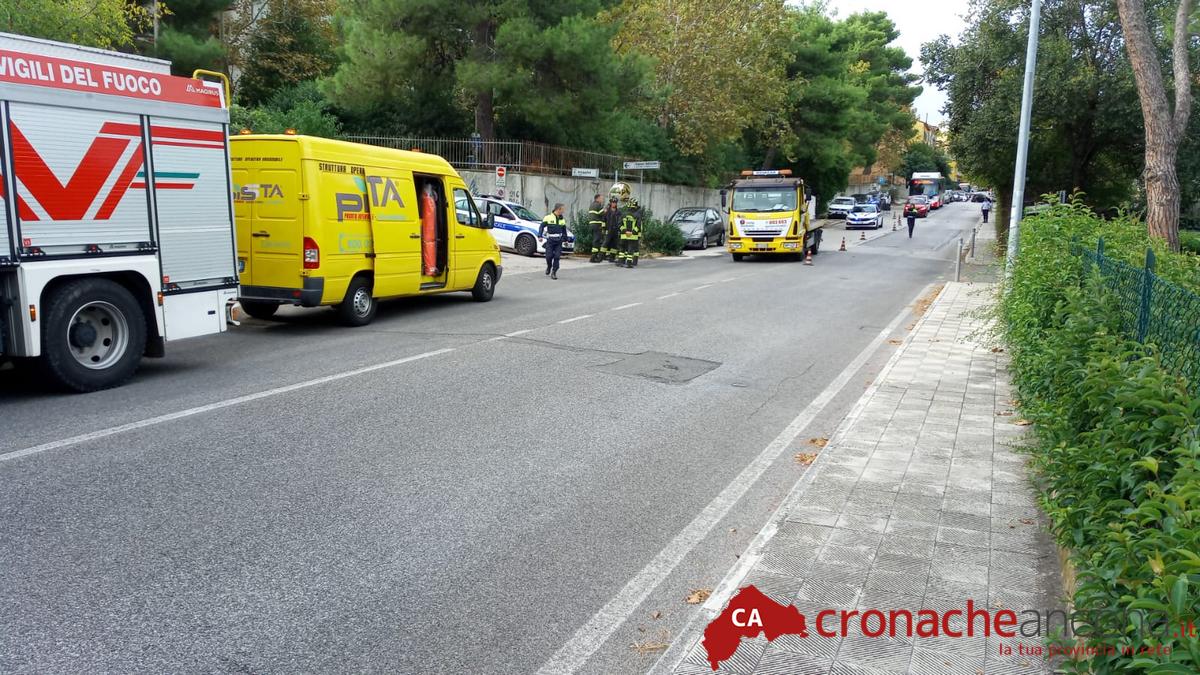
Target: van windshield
x=764 y=199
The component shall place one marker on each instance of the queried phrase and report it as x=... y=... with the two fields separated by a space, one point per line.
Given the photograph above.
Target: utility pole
x=1018 y=197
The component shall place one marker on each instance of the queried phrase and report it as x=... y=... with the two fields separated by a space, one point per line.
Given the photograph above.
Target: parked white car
x=516 y=226
x=864 y=215
x=840 y=206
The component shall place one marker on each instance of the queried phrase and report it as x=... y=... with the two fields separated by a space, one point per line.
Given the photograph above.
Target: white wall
x=540 y=193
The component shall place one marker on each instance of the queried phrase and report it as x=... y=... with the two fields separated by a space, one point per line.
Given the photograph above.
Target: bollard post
x=958 y=261
x=971 y=255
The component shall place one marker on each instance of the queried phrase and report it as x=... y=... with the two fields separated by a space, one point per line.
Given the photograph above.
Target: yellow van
x=325 y=222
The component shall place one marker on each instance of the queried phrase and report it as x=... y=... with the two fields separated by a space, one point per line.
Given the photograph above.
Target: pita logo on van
x=255 y=191
x=382 y=191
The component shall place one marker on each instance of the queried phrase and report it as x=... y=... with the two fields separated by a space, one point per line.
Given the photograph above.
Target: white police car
x=516 y=226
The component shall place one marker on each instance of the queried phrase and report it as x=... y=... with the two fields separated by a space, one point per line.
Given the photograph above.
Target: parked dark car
x=700 y=226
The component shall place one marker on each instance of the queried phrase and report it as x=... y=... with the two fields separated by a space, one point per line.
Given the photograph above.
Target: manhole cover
x=660 y=367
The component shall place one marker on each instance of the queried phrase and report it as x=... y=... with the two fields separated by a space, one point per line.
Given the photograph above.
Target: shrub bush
x=583 y=232
x=1116 y=451
x=1189 y=240
x=660 y=237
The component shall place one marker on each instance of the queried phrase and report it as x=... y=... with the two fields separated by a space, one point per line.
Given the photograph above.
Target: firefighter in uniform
x=618 y=204
x=631 y=234
x=597 y=225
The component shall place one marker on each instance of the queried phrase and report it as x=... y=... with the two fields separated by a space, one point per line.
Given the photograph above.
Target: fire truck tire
x=260 y=309
x=93 y=335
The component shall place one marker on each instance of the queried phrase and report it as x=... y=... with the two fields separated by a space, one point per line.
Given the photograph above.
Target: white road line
x=726 y=280
x=227 y=403
x=577 y=318
x=593 y=634
x=700 y=288
x=498 y=337
x=754 y=551
x=668 y=295
x=515 y=333
x=632 y=304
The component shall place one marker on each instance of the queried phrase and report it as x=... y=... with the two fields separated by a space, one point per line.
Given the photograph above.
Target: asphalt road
x=458 y=487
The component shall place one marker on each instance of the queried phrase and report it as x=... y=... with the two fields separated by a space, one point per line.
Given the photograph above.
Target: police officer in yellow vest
x=596 y=223
x=553 y=232
x=631 y=234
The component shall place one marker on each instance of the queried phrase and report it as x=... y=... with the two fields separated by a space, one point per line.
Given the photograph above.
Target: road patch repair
x=914 y=544
x=659 y=367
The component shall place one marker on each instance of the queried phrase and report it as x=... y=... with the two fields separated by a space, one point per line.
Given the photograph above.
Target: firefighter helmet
x=633 y=203
x=620 y=192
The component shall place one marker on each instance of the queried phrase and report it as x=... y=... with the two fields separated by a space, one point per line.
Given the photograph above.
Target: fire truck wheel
x=260 y=309
x=93 y=335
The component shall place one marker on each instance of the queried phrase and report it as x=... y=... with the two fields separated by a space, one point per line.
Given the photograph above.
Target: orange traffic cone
x=862 y=236
x=808 y=257
x=843 y=247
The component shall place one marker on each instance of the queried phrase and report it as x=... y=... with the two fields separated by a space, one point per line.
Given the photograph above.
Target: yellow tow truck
x=770 y=213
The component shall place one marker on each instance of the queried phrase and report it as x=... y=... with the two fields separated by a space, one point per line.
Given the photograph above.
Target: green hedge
x=1116 y=451
x=1189 y=240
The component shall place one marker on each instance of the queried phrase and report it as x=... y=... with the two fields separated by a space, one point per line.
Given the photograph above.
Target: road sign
x=882 y=180
x=501 y=174
x=585 y=173
x=642 y=166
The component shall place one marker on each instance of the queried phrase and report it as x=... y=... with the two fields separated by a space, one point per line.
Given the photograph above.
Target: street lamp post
x=1018 y=197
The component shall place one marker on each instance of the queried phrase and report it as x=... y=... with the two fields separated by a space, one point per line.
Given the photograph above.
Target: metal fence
x=519 y=156
x=1151 y=309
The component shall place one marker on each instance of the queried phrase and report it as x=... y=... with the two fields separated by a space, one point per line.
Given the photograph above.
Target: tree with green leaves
x=108 y=24
x=847 y=87
x=190 y=35
x=290 y=41
x=718 y=68
x=923 y=157
x=519 y=68
x=1165 y=124
x=1086 y=130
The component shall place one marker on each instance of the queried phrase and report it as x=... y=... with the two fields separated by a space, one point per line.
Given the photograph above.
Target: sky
x=919 y=21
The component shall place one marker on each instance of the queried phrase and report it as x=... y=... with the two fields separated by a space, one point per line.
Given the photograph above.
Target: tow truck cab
x=770 y=213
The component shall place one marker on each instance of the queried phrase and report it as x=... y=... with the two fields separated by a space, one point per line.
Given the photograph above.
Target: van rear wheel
x=359 y=306
x=260 y=309
x=93 y=335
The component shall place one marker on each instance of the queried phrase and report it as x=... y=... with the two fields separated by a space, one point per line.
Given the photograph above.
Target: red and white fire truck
x=117 y=230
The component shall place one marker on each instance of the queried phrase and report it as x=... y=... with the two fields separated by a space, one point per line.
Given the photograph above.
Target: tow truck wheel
x=737 y=257
x=93 y=335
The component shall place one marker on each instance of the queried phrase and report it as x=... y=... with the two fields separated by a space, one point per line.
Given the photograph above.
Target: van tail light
x=312 y=254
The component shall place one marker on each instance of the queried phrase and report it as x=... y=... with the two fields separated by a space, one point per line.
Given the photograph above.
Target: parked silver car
x=864 y=215
x=700 y=226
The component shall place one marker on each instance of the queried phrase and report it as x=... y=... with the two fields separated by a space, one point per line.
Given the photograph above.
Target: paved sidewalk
x=918 y=502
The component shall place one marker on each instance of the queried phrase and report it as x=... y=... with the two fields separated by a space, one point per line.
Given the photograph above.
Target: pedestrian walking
x=597 y=225
x=985 y=207
x=553 y=231
x=631 y=235
x=912 y=222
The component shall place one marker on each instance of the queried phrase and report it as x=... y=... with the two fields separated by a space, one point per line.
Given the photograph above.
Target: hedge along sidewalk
x=918 y=502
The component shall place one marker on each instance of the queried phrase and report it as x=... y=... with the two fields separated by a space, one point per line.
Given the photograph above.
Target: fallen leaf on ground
x=894 y=341
x=819 y=441
x=698 y=596
x=997 y=350
x=1004 y=413
x=806 y=458
x=656 y=645
x=656 y=614
x=1027 y=521
x=922 y=305
x=1022 y=422
x=733 y=530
